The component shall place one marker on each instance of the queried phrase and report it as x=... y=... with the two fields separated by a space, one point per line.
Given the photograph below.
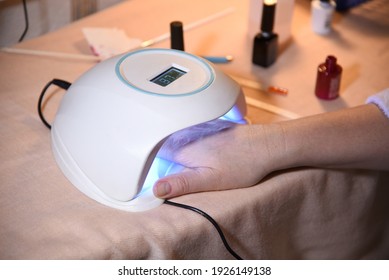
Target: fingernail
x=162 y=189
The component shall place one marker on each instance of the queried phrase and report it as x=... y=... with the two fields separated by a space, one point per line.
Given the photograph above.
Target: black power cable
x=26 y=21
x=60 y=83
x=213 y=222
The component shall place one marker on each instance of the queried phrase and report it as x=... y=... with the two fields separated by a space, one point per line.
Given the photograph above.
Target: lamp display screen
x=168 y=76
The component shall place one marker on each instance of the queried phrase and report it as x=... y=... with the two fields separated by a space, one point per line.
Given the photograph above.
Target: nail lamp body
x=114 y=118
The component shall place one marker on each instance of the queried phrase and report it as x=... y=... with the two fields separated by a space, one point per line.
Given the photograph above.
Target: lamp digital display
x=168 y=76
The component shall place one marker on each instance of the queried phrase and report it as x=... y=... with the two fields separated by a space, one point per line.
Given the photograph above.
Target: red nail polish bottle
x=328 y=79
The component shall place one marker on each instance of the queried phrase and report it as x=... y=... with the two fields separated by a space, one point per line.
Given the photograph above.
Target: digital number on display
x=168 y=76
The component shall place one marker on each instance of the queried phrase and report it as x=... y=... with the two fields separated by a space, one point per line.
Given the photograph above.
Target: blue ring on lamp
x=211 y=79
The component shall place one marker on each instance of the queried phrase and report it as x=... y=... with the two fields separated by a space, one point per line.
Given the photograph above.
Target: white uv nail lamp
x=114 y=118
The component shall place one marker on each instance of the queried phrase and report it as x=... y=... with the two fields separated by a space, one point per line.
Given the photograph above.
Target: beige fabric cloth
x=296 y=214
x=306 y=213
x=299 y=214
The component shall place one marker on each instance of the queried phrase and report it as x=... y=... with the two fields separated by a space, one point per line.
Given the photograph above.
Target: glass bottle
x=321 y=13
x=328 y=79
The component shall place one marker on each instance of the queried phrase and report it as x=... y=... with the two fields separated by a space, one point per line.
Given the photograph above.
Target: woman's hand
x=217 y=155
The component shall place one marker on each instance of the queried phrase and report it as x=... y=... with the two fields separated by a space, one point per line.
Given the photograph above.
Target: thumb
x=187 y=181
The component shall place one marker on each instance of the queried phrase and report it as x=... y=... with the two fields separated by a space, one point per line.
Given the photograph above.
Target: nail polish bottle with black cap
x=177 y=36
x=266 y=42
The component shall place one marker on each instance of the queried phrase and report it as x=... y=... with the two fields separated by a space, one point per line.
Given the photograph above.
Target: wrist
x=269 y=140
